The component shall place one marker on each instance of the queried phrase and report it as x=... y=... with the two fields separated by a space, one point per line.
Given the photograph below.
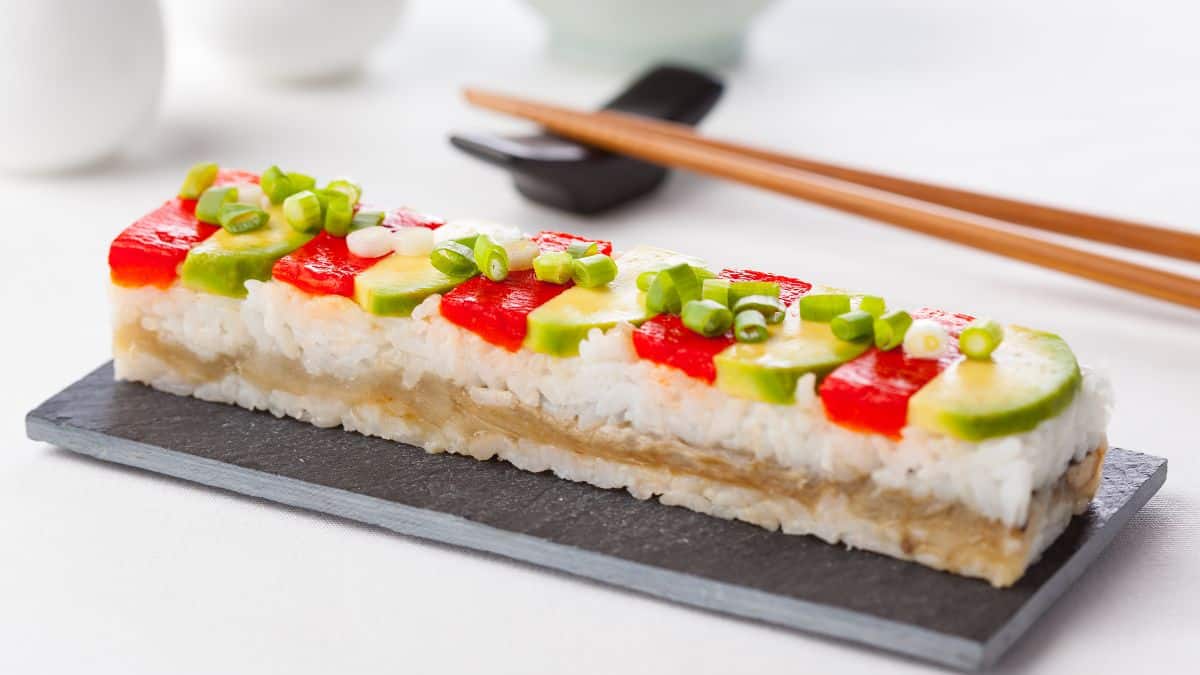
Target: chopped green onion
x=364 y=219
x=276 y=185
x=469 y=242
x=339 y=212
x=823 y=307
x=765 y=304
x=741 y=289
x=582 y=249
x=521 y=253
x=199 y=178
x=347 y=187
x=554 y=267
x=873 y=305
x=661 y=298
x=645 y=279
x=852 y=326
x=239 y=218
x=303 y=212
x=300 y=181
x=208 y=209
x=750 y=326
x=926 y=339
x=704 y=273
x=980 y=339
x=716 y=290
x=687 y=285
x=454 y=259
x=890 y=329
x=491 y=258
x=594 y=270
x=707 y=317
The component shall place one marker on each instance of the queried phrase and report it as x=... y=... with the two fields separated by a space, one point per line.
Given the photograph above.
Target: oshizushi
x=933 y=436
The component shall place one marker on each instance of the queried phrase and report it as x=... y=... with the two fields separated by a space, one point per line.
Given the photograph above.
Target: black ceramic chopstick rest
x=566 y=175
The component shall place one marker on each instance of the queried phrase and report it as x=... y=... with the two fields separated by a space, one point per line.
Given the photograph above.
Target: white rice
x=607 y=386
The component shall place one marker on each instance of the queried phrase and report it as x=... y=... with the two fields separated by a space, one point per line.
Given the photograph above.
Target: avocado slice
x=224 y=262
x=1031 y=376
x=395 y=285
x=558 y=326
x=768 y=371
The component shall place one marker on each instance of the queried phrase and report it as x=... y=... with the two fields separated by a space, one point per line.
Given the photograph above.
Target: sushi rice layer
x=984 y=509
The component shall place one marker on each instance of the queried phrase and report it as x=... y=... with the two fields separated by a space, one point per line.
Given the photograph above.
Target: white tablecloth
x=116 y=571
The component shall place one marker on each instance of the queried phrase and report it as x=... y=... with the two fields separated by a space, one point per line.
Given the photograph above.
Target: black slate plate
x=607 y=535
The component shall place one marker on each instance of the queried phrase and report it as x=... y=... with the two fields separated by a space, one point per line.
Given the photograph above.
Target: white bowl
x=293 y=40
x=640 y=32
x=77 y=79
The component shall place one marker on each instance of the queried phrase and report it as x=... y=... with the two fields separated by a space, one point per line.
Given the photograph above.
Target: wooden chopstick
x=952 y=224
x=1128 y=234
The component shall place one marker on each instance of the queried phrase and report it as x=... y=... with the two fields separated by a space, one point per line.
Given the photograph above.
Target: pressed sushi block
x=932 y=436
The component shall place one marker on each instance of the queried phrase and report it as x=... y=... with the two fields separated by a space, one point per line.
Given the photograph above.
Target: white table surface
x=118 y=571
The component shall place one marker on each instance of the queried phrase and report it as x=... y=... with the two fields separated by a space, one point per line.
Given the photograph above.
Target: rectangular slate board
x=670 y=552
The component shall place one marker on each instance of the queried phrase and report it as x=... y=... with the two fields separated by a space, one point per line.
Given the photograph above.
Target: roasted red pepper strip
x=150 y=251
x=325 y=266
x=664 y=339
x=871 y=392
x=497 y=310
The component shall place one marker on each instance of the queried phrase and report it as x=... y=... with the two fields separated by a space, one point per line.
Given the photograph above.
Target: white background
x=110 y=570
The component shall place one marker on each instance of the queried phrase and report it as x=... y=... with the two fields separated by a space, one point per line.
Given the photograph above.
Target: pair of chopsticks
x=1002 y=226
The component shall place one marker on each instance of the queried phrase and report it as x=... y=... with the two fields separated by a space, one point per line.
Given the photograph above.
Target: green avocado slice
x=768 y=371
x=558 y=326
x=1031 y=376
x=395 y=285
x=224 y=262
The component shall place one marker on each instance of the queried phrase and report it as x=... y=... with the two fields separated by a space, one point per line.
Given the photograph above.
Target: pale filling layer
x=443 y=416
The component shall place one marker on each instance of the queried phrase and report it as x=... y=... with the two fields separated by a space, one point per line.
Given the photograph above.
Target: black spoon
x=566 y=175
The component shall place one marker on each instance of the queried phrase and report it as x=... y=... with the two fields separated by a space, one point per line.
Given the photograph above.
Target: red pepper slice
x=664 y=339
x=497 y=310
x=150 y=251
x=871 y=392
x=325 y=265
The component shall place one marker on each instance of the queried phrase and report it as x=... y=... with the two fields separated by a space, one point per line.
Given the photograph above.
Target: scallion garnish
x=453 y=259
x=199 y=178
x=750 y=326
x=491 y=258
x=347 y=187
x=582 y=249
x=852 y=326
x=661 y=297
x=276 y=185
x=364 y=219
x=980 y=339
x=873 y=305
x=716 y=290
x=208 y=209
x=339 y=212
x=645 y=279
x=765 y=304
x=303 y=212
x=742 y=289
x=706 y=317
x=239 y=218
x=554 y=267
x=300 y=181
x=926 y=339
x=593 y=271
x=822 y=307
x=890 y=329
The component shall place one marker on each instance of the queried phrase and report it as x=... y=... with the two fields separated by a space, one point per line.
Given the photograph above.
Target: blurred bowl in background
x=77 y=79
x=293 y=40
x=706 y=33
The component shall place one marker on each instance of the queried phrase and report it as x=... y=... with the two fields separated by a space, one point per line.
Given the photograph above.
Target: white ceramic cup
x=292 y=40
x=640 y=32
x=77 y=79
